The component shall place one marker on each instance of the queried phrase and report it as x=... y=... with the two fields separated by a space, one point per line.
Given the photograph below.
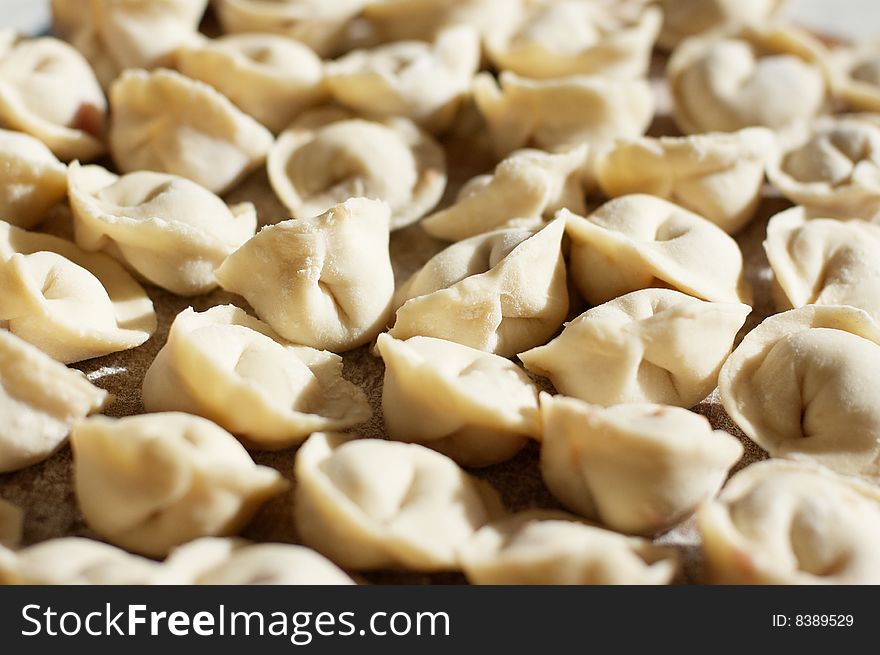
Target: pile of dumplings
x=370 y=290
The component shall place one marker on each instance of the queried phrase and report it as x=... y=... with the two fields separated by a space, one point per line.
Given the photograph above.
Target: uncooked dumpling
x=32 y=180
x=268 y=76
x=648 y=346
x=717 y=175
x=856 y=75
x=170 y=230
x=524 y=190
x=11 y=522
x=824 y=261
x=421 y=81
x=804 y=385
x=502 y=292
x=235 y=370
x=543 y=547
x=637 y=468
x=49 y=91
x=572 y=37
x=374 y=504
x=328 y=156
x=169 y=123
x=686 y=18
x=116 y=35
x=400 y=20
x=561 y=113
x=836 y=170
x=771 y=77
x=74 y=560
x=151 y=482
x=779 y=522
x=40 y=400
x=321 y=24
x=475 y=407
x=71 y=304
x=325 y=281
x=640 y=241
x=218 y=561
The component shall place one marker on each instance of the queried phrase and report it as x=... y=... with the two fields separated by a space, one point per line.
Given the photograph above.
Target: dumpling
x=805 y=385
x=321 y=25
x=271 y=77
x=49 y=91
x=648 y=346
x=32 y=180
x=116 y=35
x=11 y=522
x=686 y=18
x=375 y=504
x=475 y=407
x=526 y=188
x=325 y=281
x=400 y=20
x=218 y=561
x=770 y=76
x=151 y=482
x=328 y=156
x=856 y=76
x=717 y=175
x=236 y=371
x=421 y=81
x=542 y=547
x=836 y=170
x=71 y=304
x=502 y=292
x=74 y=560
x=40 y=400
x=640 y=241
x=166 y=122
x=779 y=522
x=561 y=113
x=824 y=261
x=637 y=468
x=171 y=231
x=572 y=37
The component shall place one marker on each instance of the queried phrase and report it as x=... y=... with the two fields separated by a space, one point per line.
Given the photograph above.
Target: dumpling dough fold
x=648 y=346
x=805 y=385
x=325 y=281
x=823 y=261
x=238 y=372
x=71 y=304
x=501 y=292
x=150 y=482
x=373 y=504
x=836 y=170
